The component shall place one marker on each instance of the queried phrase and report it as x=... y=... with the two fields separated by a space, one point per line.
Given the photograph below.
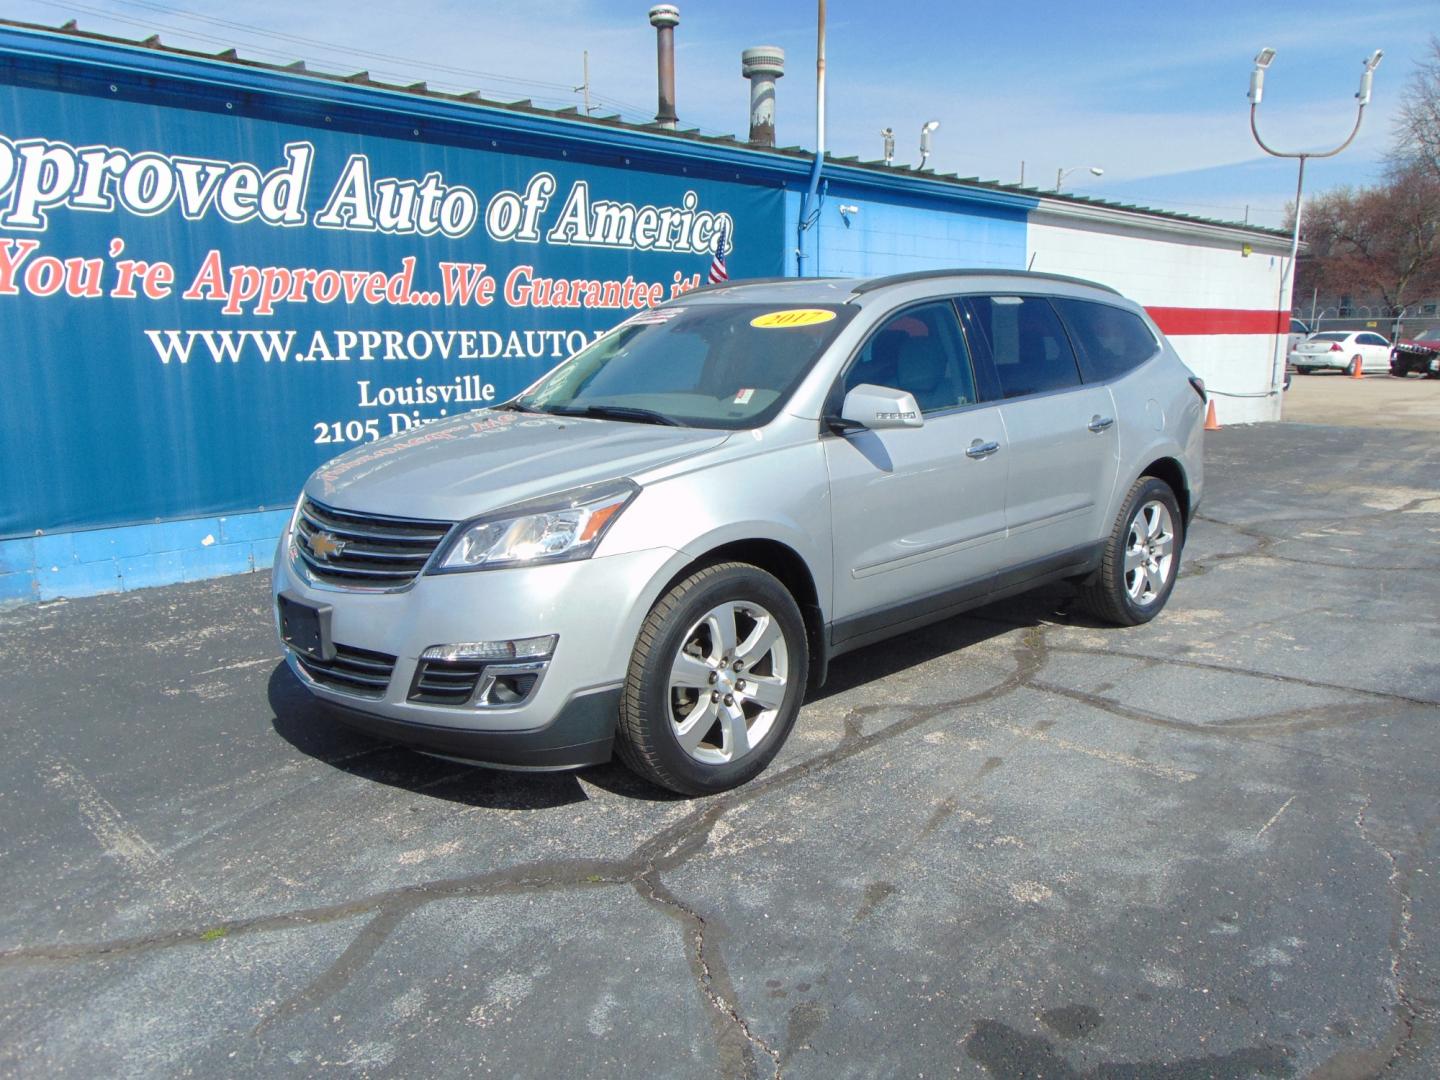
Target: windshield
x=1432 y=334
x=708 y=365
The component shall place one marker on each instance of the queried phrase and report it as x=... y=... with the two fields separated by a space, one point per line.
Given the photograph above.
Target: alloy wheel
x=728 y=681
x=1149 y=552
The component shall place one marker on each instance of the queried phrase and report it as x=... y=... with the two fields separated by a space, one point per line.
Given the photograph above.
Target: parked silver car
x=657 y=547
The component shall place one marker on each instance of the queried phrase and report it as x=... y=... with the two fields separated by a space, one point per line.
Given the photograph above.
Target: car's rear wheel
x=1141 y=558
x=1357 y=366
x=715 y=682
x=1305 y=370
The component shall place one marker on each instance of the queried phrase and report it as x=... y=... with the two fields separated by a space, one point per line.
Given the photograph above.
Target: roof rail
x=926 y=275
x=742 y=282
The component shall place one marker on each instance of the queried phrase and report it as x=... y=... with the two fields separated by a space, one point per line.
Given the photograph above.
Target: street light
x=1060 y=174
x=925 y=131
x=1287 y=275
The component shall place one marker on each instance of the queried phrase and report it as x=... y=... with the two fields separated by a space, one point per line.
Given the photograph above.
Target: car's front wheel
x=1141 y=557
x=715 y=682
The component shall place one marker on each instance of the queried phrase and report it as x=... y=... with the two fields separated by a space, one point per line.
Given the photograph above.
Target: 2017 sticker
x=777 y=320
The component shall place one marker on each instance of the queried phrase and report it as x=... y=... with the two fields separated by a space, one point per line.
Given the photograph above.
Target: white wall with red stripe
x=1214 y=290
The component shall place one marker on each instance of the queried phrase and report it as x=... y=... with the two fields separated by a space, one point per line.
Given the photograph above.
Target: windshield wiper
x=515 y=406
x=619 y=412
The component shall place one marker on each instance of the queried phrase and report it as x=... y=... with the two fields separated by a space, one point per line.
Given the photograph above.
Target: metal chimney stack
x=665 y=17
x=762 y=65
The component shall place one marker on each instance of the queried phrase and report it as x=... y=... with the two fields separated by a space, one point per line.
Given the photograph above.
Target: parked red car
x=1418 y=354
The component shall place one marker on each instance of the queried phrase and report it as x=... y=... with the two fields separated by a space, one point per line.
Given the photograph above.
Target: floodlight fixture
x=925 y=132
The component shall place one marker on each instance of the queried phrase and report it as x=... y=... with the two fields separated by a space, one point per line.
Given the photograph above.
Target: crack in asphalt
x=741 y=1048
x=1301 y=718
x=1228 y=669
x=1386 y=1052
x=1399 y=940
x=667 y=849
x=706 y=964
x=1266 y=541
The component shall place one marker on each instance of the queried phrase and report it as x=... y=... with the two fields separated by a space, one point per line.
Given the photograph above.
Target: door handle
x=978 y=449
x=1100 y=423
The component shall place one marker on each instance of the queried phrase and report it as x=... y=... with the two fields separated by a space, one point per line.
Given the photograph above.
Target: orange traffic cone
x=1357 y=368
x=1211 y=423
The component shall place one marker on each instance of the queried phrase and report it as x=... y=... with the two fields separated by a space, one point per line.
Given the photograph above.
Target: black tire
x=1305 y=370
x=646 y=740
x=1398 y=370
x=1106 y=593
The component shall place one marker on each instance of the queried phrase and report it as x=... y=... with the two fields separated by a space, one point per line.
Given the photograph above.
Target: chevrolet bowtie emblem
x=323 y=545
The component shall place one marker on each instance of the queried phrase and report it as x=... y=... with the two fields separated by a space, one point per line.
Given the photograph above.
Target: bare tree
x=1383 y=242
x=1417 y=130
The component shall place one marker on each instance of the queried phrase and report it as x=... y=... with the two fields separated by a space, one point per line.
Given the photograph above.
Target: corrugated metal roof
x=571 y=113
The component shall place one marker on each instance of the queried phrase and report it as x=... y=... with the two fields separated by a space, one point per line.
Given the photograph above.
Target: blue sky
x=1152 y=93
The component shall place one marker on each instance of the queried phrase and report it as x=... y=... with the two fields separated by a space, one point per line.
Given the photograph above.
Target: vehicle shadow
x=1046 y=606
x=308 y=726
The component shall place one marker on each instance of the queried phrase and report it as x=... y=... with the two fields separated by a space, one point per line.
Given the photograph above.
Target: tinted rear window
x=1110 y=340
x=1024 y=341
x=1328 y=337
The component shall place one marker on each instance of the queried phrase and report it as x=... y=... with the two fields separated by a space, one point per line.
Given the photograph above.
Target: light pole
x=1061 y=173
x=930 y=126
x=1287 y=273
x=888 y=134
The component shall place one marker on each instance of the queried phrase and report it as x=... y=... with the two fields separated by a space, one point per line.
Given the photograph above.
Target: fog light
x=511 y=689
x=533 y=648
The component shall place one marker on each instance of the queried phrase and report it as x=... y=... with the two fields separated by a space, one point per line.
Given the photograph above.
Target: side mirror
x=880 y=407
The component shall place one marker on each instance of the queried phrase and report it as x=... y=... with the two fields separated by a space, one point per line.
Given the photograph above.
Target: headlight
x=561 y=528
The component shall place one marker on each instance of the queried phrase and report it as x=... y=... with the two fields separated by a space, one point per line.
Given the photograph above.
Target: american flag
x=718 y=273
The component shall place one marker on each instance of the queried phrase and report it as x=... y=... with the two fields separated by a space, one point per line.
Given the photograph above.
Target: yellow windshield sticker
x=773 y=320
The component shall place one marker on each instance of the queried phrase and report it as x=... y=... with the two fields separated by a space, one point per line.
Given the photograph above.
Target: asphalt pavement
x=1016 y=844
x=1374 y=401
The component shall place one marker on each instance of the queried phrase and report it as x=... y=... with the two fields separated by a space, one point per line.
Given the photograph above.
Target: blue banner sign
x=199 y=308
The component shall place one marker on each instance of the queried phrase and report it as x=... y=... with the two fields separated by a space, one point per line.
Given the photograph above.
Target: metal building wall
x=125 y=465
x=1214 y=292
x=864 y=233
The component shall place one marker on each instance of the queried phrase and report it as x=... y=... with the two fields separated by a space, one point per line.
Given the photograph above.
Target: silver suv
x=656 y=548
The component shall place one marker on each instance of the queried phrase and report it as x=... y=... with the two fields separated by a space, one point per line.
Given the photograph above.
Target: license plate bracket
x=306 y=627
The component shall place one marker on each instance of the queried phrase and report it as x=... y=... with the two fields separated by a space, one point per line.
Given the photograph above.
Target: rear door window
x=1110 y=340
x=1372 y=339
x=1023 y=341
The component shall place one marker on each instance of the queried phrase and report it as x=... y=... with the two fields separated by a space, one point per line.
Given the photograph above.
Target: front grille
x=446 y=682
x=364 y=550
x=353 y=671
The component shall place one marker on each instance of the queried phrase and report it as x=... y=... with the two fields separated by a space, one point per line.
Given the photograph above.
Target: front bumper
x=583 y=733
x=595 y=606
x=1415 y=360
